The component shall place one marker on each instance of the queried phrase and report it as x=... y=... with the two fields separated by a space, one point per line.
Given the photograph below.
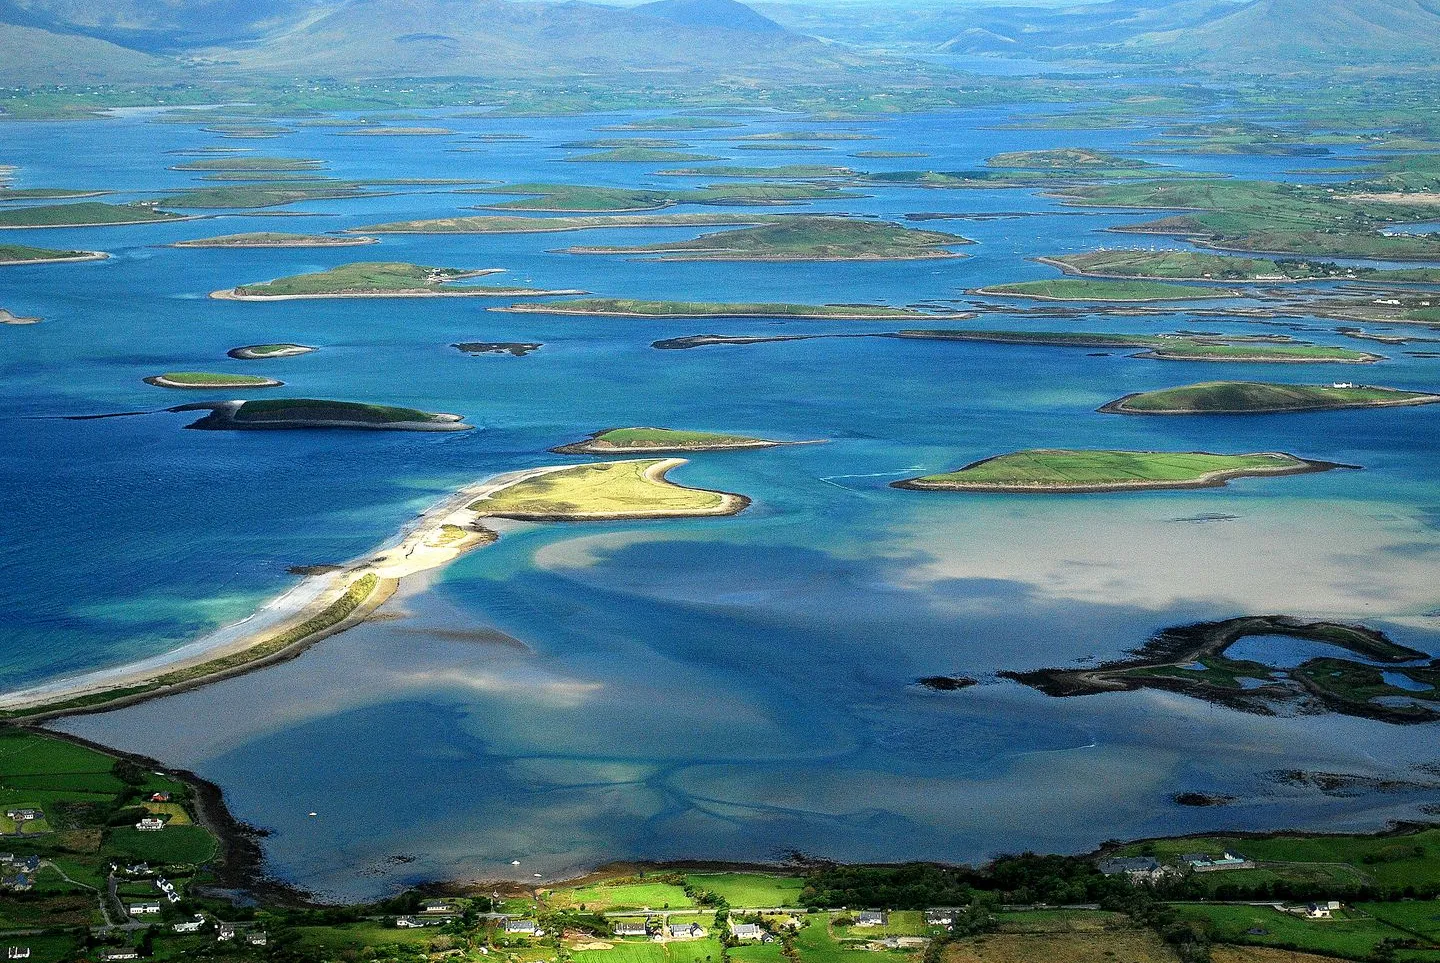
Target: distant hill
x=499 y=38
x=151 y=26
x=29 y=55
x=725 y=14
x=1285 y=32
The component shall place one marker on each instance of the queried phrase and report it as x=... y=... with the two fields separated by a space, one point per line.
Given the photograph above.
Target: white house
x=150 y=825
x=747 y=931
x=522 y=927
x=144 y=909
x=871 y=918
x=17 y=953
x=631 y=929
x=190 y=926
x=1318 y=911
x=686 y=931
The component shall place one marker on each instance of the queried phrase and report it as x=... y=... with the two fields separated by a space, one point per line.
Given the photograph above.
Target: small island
x=378 y=279
x=292 y=413
x=626 y=308
x=1089 y=289
x=7 y=318
x=784 y=171
x=83 y=214
x=581 y=199
x=499 y=224
x=660 y=440
x=247 y=163
x=263 y=352
x=1254 y=397
x=518 y=349
x=20 y=254
x=801 y=237
x=1077 y=471
x=641 y=155
x=206 y=379
x=609 y=491
x=278 y=239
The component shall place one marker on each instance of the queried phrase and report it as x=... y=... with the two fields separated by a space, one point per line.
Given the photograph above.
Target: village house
x=191 y=926
x=225 y=932
x=871 y=918
x=160 y=797
x=17 y=953
x=24 y=815
x=1322 y=911
x=411 y=923
x=522 y=927
x=940 y=917
x=123 y=953
x=686 y=931
x=150 y=825
x=1139 y=870
x=747 y=931
x=19 y=883
x=144 y=909
x=257 y=939
x=1205 y=863
x=624 y=928
x=439 y=907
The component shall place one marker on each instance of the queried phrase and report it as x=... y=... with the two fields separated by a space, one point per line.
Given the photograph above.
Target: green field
x=816 y=943
x=1193 y=266
x=362 y=936
x=623 y=307
x=750 y=889
x=1078 y=470
x=623 y=894
x=1350 y=936
x=1088 y=289
x=44 y=193
x=628 y=489
x=81 y=214
x=803 y=238
x=367 y=278
x=1250 y=396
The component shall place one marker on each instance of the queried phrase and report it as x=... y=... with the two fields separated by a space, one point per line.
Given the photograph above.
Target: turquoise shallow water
x=728 y=688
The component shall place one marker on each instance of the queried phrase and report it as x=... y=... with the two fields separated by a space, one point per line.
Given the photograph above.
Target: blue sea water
x=723 y=688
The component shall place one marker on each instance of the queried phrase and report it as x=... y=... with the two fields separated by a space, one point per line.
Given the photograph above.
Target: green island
x=496 y=224
x=248 y=163
x=377 y=279
x=1074 y=471
x=801 y=237
x=260 y=352
x=1272 y=349
x=395 y=132
x=658 y=440
x=209 y=379
x=1252 y=397
x=626 y=308
x=20 y=254
x=782 y=172
x=1087 y=289
x=1065 y=158
x=804 y=135
x=83 y=214
x=1204 y=266
x=607 y=491
x=889 y=153
x=640 y=155
x=778 y=145
x=609 y=143
x=282 y=413
x=1193 y=661
x=82 y=864
x=581 y=199
x=278 y=239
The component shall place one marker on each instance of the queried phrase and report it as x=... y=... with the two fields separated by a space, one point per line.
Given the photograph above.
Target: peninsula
x=292 y=413
x=609 y=491
x=335 y=599
x=379 y=279
x=626 y=308
x=1253 y=397
x=660 y=440
x=206 y=379
x=277 y=239
x=1072 y=471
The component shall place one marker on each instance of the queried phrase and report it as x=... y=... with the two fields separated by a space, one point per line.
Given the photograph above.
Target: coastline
x=160 y=381
x=420 y=547
x=82 y=256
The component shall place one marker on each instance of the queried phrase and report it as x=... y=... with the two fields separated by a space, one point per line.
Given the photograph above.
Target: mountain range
x=79 y=41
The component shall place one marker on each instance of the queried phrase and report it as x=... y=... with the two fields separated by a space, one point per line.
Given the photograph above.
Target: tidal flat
x=720 y=688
